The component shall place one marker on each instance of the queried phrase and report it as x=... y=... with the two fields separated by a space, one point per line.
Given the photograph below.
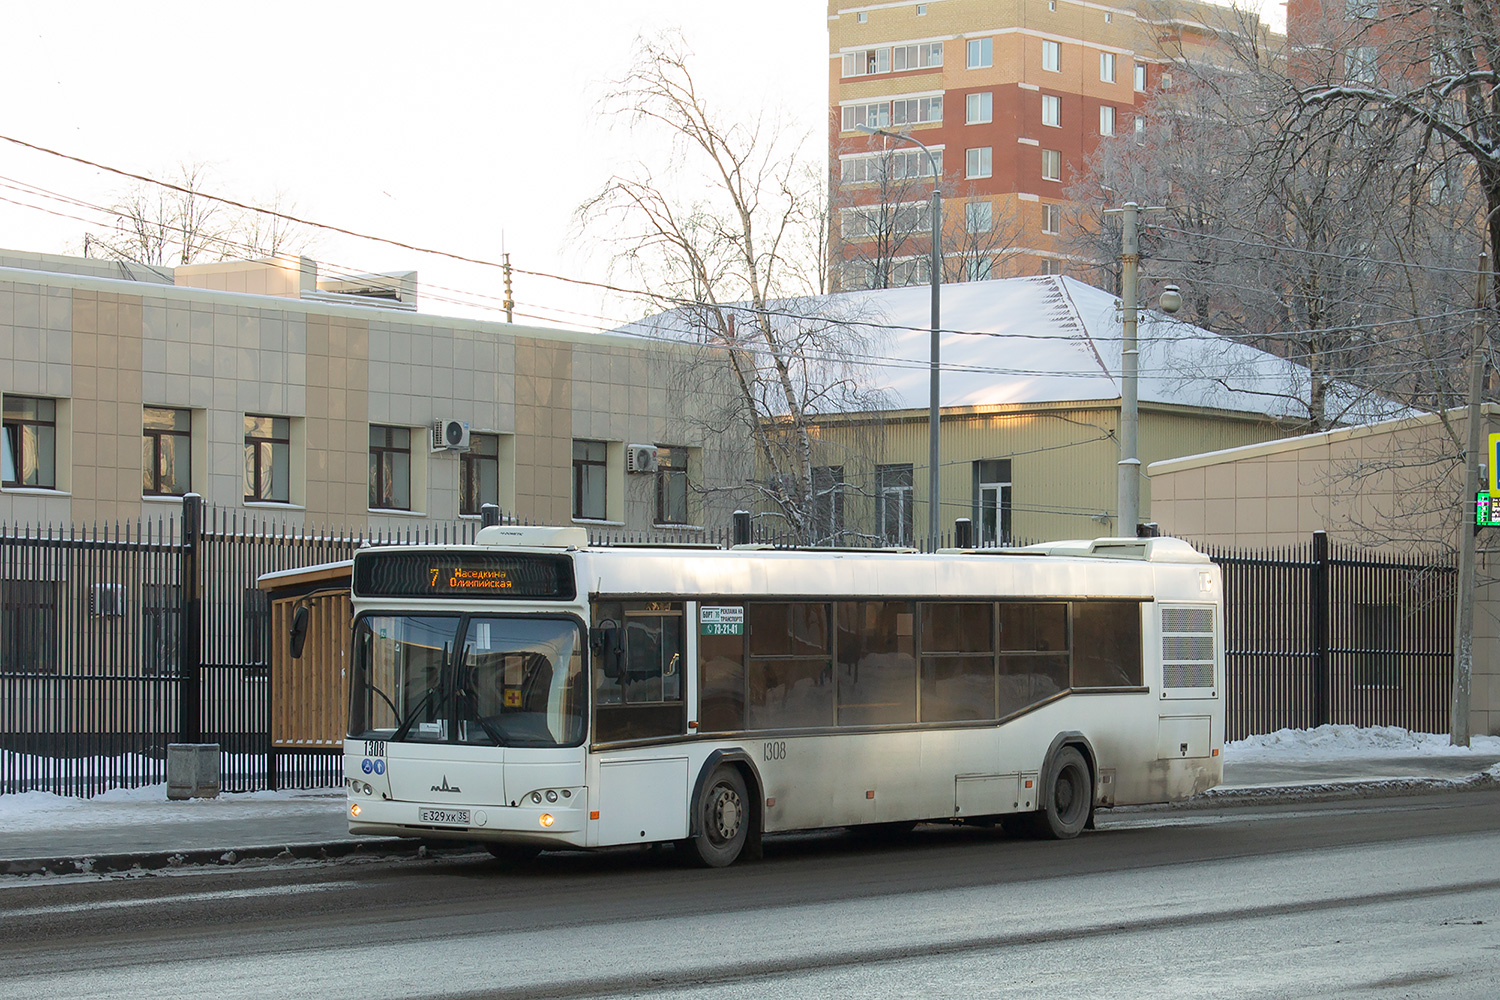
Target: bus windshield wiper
x=411 y=717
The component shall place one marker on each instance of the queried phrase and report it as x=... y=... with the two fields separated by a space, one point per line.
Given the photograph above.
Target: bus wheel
x=723 y=819
x=1067 y=799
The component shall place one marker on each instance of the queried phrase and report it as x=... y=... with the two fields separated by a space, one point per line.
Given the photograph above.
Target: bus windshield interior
x=487 y=680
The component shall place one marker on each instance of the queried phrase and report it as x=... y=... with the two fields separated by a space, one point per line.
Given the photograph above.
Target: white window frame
x=1051 y=165
x=1053 y=104
x=979 y=216
x=857 y=63
x=920 y=55
x=1106 y=119
x=876 y=115
x=1051 y=219
x=1107 y=67
x=979 y=108
x=1051 y=56
x=979 y=162
x=981 y=53
x=916 y=110
x=1140 y=77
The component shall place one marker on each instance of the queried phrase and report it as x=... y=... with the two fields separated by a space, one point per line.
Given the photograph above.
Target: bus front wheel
x=1068 y=798
x=723 y=816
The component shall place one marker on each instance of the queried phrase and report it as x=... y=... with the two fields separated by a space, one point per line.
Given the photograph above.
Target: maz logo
x=445 y=787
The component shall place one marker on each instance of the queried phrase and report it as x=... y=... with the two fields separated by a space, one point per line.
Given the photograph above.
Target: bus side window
x=643 y=698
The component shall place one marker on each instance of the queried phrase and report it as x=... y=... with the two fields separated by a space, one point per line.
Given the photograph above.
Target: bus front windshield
x=468 y=679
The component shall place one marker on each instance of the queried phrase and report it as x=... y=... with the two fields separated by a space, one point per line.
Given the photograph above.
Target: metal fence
x=1318 y=634
x=117 y=640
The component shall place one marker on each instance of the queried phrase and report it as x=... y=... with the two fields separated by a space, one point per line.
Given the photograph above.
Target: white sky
x=444 y=124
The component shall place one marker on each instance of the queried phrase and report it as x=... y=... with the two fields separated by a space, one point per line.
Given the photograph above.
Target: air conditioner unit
x=640 y=458
x=450 y=435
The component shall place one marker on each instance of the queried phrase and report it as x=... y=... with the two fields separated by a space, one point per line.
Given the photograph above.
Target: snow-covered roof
x=1056 y=339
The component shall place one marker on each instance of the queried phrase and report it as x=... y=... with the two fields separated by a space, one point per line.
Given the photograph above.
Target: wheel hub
x=727 y=814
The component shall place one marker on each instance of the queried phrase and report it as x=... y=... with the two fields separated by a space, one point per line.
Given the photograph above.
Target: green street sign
x=1486 y=510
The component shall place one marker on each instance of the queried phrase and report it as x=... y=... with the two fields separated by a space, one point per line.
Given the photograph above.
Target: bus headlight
x=551 y=795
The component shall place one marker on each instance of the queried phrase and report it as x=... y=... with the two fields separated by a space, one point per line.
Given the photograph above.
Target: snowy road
x=1394 y=898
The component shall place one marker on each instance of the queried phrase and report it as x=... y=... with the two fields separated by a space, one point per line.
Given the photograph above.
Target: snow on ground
x=149 y=804
x=1335 y=743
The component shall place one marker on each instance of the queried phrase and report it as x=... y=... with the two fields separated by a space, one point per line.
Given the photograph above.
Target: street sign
x=1494 y=454
x=1486 y=510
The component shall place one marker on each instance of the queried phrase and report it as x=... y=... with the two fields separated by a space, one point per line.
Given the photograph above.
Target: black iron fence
x=1318 y=634
x=116 y=641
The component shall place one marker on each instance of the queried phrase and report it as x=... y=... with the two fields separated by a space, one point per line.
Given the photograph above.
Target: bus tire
x=723 y=819
x=1067 y=800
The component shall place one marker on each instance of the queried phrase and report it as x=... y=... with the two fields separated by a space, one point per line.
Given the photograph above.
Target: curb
x=1329 y=791
x=216 y=856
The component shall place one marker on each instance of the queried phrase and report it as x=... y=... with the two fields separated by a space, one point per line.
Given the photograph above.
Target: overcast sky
x=469 y=126
x=462 y=126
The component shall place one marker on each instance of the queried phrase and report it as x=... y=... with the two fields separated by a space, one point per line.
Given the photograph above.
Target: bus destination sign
x=721 y=621
x=464 y=573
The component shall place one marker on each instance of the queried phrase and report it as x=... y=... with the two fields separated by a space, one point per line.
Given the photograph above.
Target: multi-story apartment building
x=1010 y=98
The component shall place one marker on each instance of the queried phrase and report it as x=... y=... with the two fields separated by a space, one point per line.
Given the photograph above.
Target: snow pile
x=1332 y=743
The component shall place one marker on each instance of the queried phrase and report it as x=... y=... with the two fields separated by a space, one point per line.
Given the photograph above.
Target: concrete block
x=193 y=770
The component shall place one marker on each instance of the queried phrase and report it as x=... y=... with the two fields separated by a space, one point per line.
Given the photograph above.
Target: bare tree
x=736 y=263
x=177 y=223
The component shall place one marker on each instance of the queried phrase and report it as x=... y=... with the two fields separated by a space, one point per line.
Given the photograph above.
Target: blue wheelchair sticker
x=366 y=766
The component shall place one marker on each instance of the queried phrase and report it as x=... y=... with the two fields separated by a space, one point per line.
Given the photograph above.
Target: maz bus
x=532 y=692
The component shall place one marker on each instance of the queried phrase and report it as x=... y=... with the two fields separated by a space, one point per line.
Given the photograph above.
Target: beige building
x=1393 y=486
x=263 y=388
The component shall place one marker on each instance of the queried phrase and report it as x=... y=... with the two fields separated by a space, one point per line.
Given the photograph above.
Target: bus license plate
x=445 y=817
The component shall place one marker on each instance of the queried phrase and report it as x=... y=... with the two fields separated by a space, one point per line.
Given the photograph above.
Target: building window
x=1107 y=67
x=896 y=165
x=268 y=459
x=161 y=621
x=1109 y=18
x=590 y=466
x=1367 y=9
x=981 y=53
x=864 y=17
x=917 y=109
x=1359 y=64
x=479 y=473
x=921 y=10
x=30 y=443
x=1052 y=110
x=978 y=268
x=867 y=61
x=1051 y=57
x=871 y=115
x=28 y=626
x=1140 y=77
x=1051 y=165
x=828 y=504
x=992 y=484
x=918 y=56
x=1052 y=219
x=977 y=162
x=1050 y=266
x=1376 y=626
x=1140 y=129
x=893 y=485
x=390 y=468
x=1106 y=119
x=672 y=485
x=979 y=217
x=166 y=452
x=979 y=109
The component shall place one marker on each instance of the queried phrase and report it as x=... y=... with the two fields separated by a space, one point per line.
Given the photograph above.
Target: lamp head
x=1170 y=300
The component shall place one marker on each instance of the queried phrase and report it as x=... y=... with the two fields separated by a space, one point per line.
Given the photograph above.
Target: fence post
x=190 y=649
x=1321 y=611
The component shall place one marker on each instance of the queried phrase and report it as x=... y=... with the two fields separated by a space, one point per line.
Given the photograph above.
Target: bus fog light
x=567 y=793
x=368 y=789
x=545 y=819
x=551 y=795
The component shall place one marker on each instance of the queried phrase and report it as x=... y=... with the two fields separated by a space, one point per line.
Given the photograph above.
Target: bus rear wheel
x=1068 y=798
x=723 y=817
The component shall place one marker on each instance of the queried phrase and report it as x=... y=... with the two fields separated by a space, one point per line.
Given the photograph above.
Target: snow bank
x=1332 y=743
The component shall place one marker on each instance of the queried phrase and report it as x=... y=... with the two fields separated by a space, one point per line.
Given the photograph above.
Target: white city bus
x=531 y=692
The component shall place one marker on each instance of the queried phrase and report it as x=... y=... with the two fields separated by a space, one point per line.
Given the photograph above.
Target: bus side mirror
x=298 y=637
x=608 y=646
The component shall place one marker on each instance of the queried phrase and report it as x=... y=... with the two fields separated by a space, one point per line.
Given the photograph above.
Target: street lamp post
x=933 y=418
